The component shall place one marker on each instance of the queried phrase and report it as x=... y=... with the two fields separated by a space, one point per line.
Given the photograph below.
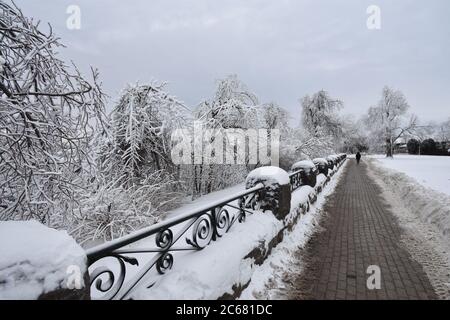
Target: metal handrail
x=295 y=179
x=197 y=226
x=207 y=223
x=102 y=250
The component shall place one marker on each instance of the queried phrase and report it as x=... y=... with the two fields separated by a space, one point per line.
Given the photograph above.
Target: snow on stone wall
x=270 y=174
x=304 y=164
x=35 y=260
x=225 y=268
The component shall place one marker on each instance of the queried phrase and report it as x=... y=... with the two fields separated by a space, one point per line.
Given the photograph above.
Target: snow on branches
x=66 y=164
x=320 y=114
x=136 y=182
x=389 y=120
x=47 y=114
x=233 y=106
x=142 y=123
x=321 y=130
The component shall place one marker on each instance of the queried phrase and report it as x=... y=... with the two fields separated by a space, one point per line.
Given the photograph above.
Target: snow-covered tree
x=354 y=137
x=313 y=146
x=320 y=114
x=442 y=131
x=389 y=120
x=142 y=123
x=274 y=117
x=321 y=126
x=48 y=115
x=232 y=106
x=136 y=181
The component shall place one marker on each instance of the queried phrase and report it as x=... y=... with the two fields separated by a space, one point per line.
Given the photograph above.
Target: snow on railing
x=119 y=266
x=115 y=267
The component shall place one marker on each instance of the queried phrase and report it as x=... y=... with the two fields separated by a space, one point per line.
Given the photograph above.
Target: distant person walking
x=358 y=157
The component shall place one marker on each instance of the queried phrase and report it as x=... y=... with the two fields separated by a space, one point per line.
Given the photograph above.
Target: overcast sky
x=282 y=49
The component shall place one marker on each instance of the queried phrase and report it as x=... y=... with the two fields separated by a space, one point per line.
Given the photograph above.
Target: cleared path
x=359 y=230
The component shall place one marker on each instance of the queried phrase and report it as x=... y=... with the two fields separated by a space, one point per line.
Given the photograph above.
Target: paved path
x=359 y=230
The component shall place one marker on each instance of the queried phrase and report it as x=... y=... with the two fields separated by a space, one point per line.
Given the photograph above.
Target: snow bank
x=34 y=259
x=215 y=270
x=270 y=174
x=428 y=205
x=431 y=171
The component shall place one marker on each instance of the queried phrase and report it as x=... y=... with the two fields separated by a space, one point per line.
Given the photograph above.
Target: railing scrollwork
x=119 y=266
x=296 y=179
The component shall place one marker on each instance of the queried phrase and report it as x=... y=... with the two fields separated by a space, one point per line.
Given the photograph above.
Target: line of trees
x=388 y=122
x=66 y=163
x=428 y=147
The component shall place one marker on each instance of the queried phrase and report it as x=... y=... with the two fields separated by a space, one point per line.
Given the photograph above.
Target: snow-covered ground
x=421 y=202
x=206 y=199
x=422 y=184
x=431 y=171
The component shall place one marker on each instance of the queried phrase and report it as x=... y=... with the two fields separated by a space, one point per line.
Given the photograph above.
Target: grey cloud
x=281 y=49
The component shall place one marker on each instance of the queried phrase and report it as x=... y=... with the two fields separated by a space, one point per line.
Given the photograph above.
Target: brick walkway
x=359 y=230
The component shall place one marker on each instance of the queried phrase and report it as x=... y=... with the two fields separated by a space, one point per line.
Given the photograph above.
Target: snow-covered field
x=430 y=171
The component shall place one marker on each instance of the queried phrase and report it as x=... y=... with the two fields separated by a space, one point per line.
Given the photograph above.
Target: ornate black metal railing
x=115 y=267
x=295 y=179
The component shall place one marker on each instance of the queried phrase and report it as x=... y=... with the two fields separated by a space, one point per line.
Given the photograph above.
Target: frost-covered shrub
x=115 y=210
x=136 y=181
